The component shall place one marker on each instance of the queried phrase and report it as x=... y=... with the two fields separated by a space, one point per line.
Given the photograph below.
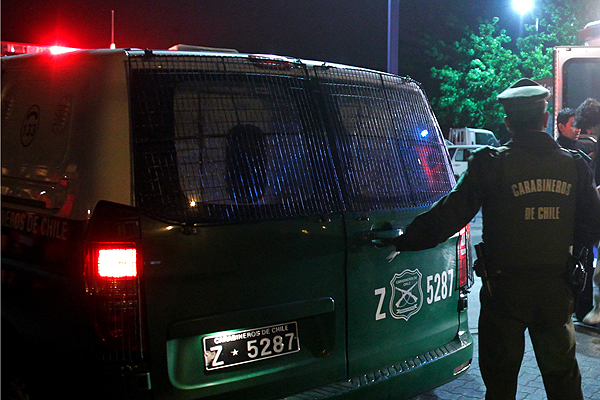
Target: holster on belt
x=576 y=272
x=481 y=267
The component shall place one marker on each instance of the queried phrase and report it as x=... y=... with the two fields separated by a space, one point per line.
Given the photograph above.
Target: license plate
x=234 y=348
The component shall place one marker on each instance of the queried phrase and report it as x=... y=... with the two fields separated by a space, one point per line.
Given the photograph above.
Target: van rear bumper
x=405 y=379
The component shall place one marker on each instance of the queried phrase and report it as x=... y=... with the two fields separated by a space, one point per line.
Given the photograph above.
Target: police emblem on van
x=29 y=126
x=407 y=295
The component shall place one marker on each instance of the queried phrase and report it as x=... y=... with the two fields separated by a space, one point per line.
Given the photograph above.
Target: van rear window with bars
x=236 y=139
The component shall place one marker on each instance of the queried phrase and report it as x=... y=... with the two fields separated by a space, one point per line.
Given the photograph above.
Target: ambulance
x=576 y=71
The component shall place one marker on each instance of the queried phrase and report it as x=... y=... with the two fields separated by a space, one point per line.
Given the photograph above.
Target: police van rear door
x=394 y=166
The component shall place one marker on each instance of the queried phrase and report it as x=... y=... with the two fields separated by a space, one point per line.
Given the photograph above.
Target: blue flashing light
x=424 y=133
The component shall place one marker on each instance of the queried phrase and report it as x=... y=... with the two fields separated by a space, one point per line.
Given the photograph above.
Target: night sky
x=350 y=32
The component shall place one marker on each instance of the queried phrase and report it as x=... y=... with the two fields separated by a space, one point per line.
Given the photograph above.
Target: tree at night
x=473 y=70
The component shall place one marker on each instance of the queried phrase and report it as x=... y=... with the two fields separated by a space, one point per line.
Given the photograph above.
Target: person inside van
x=537 y=199
x=567 y=132
x=245 y=164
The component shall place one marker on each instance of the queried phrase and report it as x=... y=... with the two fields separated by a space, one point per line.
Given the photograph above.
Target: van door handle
x=377 y=238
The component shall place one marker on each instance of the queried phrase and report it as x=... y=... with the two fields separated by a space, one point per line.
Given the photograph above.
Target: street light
x=393 y=35
x=523 y=6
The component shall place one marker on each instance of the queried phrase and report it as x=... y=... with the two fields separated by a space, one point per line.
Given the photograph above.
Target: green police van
x=207 y=225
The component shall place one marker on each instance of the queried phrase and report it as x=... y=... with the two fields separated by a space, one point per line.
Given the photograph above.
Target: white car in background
x=459 y=156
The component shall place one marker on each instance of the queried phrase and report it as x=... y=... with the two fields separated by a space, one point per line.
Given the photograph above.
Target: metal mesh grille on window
x=227 y=139
x=234 y=139
x=390 y=145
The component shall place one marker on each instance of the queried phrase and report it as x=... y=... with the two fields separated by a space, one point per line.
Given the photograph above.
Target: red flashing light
x=61 y=49
x=12 y=48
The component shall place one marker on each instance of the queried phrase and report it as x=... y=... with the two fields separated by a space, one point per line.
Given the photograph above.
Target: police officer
x=532 y=193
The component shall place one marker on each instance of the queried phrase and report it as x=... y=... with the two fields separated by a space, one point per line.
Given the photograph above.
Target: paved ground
x=531 y=387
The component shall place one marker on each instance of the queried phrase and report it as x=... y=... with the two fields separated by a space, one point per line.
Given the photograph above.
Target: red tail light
x=463 y=249
x=116 y=261
x=113 y=273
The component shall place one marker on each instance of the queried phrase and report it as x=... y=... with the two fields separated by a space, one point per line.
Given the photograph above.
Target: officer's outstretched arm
x=452 y=212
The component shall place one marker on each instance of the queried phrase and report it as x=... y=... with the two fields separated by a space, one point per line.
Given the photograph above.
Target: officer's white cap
x=524 y=94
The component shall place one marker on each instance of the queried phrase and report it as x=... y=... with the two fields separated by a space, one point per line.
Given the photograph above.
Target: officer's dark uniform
x=531 y=192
